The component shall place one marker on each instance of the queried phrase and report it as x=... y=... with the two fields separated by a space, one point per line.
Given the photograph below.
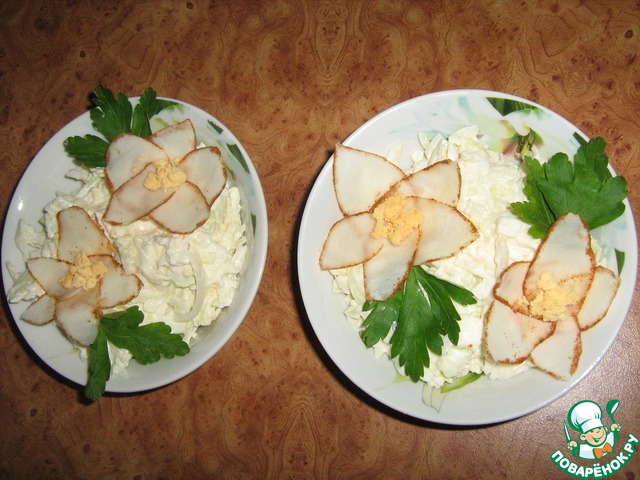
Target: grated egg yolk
x=83 y=273
x=552 y=300
x=166 y=176
x=394 y=220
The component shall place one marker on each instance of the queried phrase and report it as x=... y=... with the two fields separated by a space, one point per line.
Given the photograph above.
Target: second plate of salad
x=416 y=218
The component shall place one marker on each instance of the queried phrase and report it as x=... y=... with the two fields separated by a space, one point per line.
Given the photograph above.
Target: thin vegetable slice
x=568 y=238
x=360 y=178
x=385 y=273
x=186 y=210
x=133 y=201
x=116 y=286
x=79 y=316
x=508 y=289
x=559 y=354
x=444 y=230
x=40 y=312
x=440 y=181
x=47 y=272
x=601 y=293
x=176 y=140
x=204 y=168
x=510 y=337
x=77 y=232
x=349 y=242
x=127 y=155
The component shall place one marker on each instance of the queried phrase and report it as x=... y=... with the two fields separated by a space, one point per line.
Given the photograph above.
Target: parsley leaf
x=585 y=187
x=89 y=150
x=535 y=212
x=99 y=367
x=111 y=116
x=422 y=312
x=146 y=343
x=147 y=107
x=416 y=327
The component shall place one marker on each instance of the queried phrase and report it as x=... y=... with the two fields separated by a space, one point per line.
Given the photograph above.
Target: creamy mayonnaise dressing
x=187 y=279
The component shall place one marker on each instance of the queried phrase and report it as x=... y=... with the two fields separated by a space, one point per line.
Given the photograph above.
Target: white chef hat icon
x=585 y=415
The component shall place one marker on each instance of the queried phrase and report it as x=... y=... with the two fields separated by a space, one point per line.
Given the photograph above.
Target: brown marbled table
x=290 y=79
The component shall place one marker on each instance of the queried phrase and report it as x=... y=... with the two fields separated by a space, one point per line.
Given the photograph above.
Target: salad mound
x=84 y=279
x=511 y=293
x=145 y=252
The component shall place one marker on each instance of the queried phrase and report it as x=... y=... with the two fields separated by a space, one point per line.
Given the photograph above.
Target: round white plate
x=484 y=401
x=45 y=176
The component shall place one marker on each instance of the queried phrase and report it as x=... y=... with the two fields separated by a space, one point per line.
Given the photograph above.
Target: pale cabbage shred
x=187 y=279
x=490 y=183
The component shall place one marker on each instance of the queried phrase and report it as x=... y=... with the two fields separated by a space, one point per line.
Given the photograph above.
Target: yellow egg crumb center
x=165 y=176
x=83 y=273
x=394 y=219
x=552 y=300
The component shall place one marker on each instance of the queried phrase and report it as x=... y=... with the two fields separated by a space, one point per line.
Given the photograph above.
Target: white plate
x=45 y=176
x=484 y=401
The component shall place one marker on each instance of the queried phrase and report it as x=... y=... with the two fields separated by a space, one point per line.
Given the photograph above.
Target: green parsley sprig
x=111 y=116
x=147 y=344
x=585 y=186
x=423 y=313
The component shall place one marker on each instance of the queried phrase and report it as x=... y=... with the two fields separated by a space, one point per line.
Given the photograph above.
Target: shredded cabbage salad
x=187 y=279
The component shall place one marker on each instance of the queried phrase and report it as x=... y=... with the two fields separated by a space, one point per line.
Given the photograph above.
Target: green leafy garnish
x=506 y=105
x=620 y=256
x=423 y=312
x=99 y=367
x=111 y=116
x=460 y=382
x=89 y=150
x=146 y=343
x=585 y=187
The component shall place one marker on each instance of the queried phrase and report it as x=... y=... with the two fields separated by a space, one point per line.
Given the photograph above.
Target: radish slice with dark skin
x=508 y=289
x=116 y=286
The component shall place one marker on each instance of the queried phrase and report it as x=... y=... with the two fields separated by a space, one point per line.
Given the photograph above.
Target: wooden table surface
x=290 y=79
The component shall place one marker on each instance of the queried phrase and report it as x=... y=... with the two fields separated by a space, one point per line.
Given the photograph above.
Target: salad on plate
x=467 y=259
x=144 y=252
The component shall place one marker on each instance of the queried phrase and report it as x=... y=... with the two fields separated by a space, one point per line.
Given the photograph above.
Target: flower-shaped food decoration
x=541 y=307
x=85 y=279
x=393 y=221
x=163 y=177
